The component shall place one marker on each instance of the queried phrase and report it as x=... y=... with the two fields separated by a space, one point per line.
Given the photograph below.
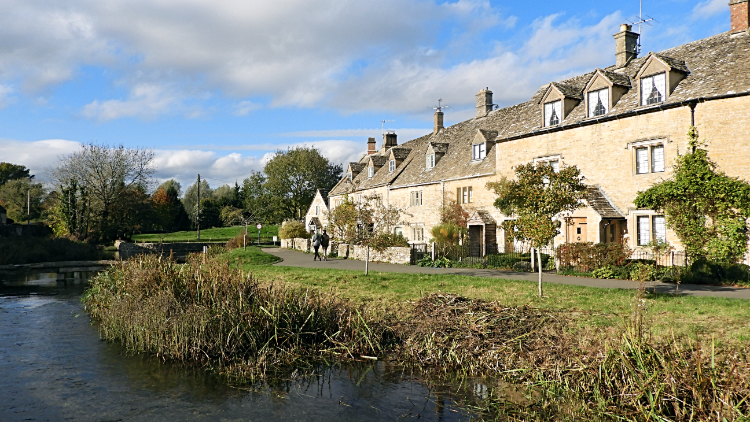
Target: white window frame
x=430 y=161
x=552 y=106
x=398 y=231
x=370 y=171
x=478 y=151
x=349 y=176
x=417 y=233
x=551 y=160
x=650 y=162
x=596 y=95
x=649 y=227
x=317 y=210
x=416 y=198
x=658 y=80
x=465 y=195
x=391 y=166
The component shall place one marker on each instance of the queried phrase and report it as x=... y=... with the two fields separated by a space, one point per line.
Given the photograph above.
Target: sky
x=216 y=87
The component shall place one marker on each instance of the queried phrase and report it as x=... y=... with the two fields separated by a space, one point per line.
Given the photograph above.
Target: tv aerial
x=440 y=105
x=641 y=20
x=382 y=125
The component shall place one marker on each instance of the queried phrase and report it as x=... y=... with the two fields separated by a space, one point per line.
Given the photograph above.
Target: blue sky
x=216 y=86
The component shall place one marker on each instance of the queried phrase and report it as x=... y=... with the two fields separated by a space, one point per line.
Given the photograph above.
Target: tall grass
x=214 y=313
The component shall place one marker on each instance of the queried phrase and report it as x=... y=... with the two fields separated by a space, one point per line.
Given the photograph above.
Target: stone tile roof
x=718 y=65
x=324 y=195
x=439 y=148
x=378 y=160
x=481 y=215
x=569 y=91
x=599 y=203
x=616 y=78
x=676 y=64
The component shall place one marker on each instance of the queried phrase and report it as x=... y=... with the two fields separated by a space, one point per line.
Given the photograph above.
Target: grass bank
x=217 y=234
x=579 y=353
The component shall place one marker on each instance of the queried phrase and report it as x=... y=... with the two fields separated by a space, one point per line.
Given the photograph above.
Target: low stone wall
x=178 y=250
x=395 y=255
x=298 y=244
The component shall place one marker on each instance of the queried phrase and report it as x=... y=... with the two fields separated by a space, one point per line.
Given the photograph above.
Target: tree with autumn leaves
x=535 y=198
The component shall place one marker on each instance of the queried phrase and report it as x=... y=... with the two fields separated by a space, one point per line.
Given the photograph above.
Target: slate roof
x=599 y=203
x=714 y=67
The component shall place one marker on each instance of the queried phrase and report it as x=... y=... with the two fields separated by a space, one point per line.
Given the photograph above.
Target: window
x=465 y=195
x=552 y=113
x=398 y=231
x=552 y=160
x=651 y=227
x=391 y=166
x=317 y=210
x=478 y=151
x=649 y=159
x=430 y=161
x=598 y=102
x=417 y=234
x=370 y=171
x=349 y=176
x=653 y=89
x=416 y=198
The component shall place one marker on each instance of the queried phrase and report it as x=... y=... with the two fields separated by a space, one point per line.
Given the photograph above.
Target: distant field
x=217 y=234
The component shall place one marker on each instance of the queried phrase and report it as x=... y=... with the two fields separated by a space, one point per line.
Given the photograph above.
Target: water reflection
x=55 y=367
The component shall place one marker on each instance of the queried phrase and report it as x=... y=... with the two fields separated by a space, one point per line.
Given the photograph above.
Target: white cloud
x=145 y=101
x=4 y=96
x=708 y=8
x=37 y=156
x=243 y=108
x=403 y=133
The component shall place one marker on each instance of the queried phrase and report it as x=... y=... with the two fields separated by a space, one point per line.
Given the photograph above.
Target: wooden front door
x=577 y=229
x=476 y=241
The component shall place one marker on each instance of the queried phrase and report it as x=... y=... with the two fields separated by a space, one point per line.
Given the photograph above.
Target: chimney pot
x=626 y=45
x=389 y=140
x=484 y=102
x=739 y=13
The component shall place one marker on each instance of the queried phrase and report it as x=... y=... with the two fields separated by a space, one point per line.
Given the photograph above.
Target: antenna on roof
x=640 y=22
x=440 y=106
x=382 y=125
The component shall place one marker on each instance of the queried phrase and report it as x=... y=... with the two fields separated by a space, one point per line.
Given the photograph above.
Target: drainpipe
x=692 y=112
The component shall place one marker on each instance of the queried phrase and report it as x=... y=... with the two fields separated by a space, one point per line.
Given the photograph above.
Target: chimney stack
x=626 y=45
x=438 y=122
x=389 y=140
x=484 y=102
x=740 y=15
x=371 y=146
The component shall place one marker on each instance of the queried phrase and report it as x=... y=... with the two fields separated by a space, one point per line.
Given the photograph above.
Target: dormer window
x=391 y=166
x=478 y=151
x=429 y=161
x=370 y=171
x=552 y=113
x=349 y=176
x=653 y=89
x=598 y=102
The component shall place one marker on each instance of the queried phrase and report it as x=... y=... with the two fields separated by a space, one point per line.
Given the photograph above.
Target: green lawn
x=217 y=234
x=726 y=319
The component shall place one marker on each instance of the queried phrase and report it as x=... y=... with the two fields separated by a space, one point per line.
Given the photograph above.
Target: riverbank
x=579 y=352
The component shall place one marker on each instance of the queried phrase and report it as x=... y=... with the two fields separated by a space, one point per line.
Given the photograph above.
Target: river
x=55 y=367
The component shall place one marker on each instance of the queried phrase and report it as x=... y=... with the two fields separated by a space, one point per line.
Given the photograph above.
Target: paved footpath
x=294 y=258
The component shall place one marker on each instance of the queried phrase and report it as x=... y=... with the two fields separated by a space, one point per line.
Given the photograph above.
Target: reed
x=214 y=313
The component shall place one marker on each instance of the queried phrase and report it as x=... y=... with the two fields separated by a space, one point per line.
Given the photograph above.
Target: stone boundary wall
x=395 y=255
x=298 y=244
x=179 y=250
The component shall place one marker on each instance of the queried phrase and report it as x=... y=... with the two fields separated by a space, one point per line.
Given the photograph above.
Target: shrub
x=604 y=272
x=382 y=241
x=508 y=260
x=425 y=261
x=586 y=255
x=642 y=272
x=292 y=229
x=446 y=233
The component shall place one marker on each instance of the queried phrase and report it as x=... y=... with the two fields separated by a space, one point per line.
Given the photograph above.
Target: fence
x=418 y=251
x=569 y=257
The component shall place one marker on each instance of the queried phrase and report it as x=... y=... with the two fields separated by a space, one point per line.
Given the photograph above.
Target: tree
x=707 y=209
x=10 y=172
x=133 y=210
x=169 y=213
x=537 y=196
x=257 y=200
x=190 y=201
x=17 y=194
x=68 y=211
x=294 y=175
x=105 y=172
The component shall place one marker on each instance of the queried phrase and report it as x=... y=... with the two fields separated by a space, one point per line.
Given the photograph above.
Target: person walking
x=316 y=245
x=324 y=240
